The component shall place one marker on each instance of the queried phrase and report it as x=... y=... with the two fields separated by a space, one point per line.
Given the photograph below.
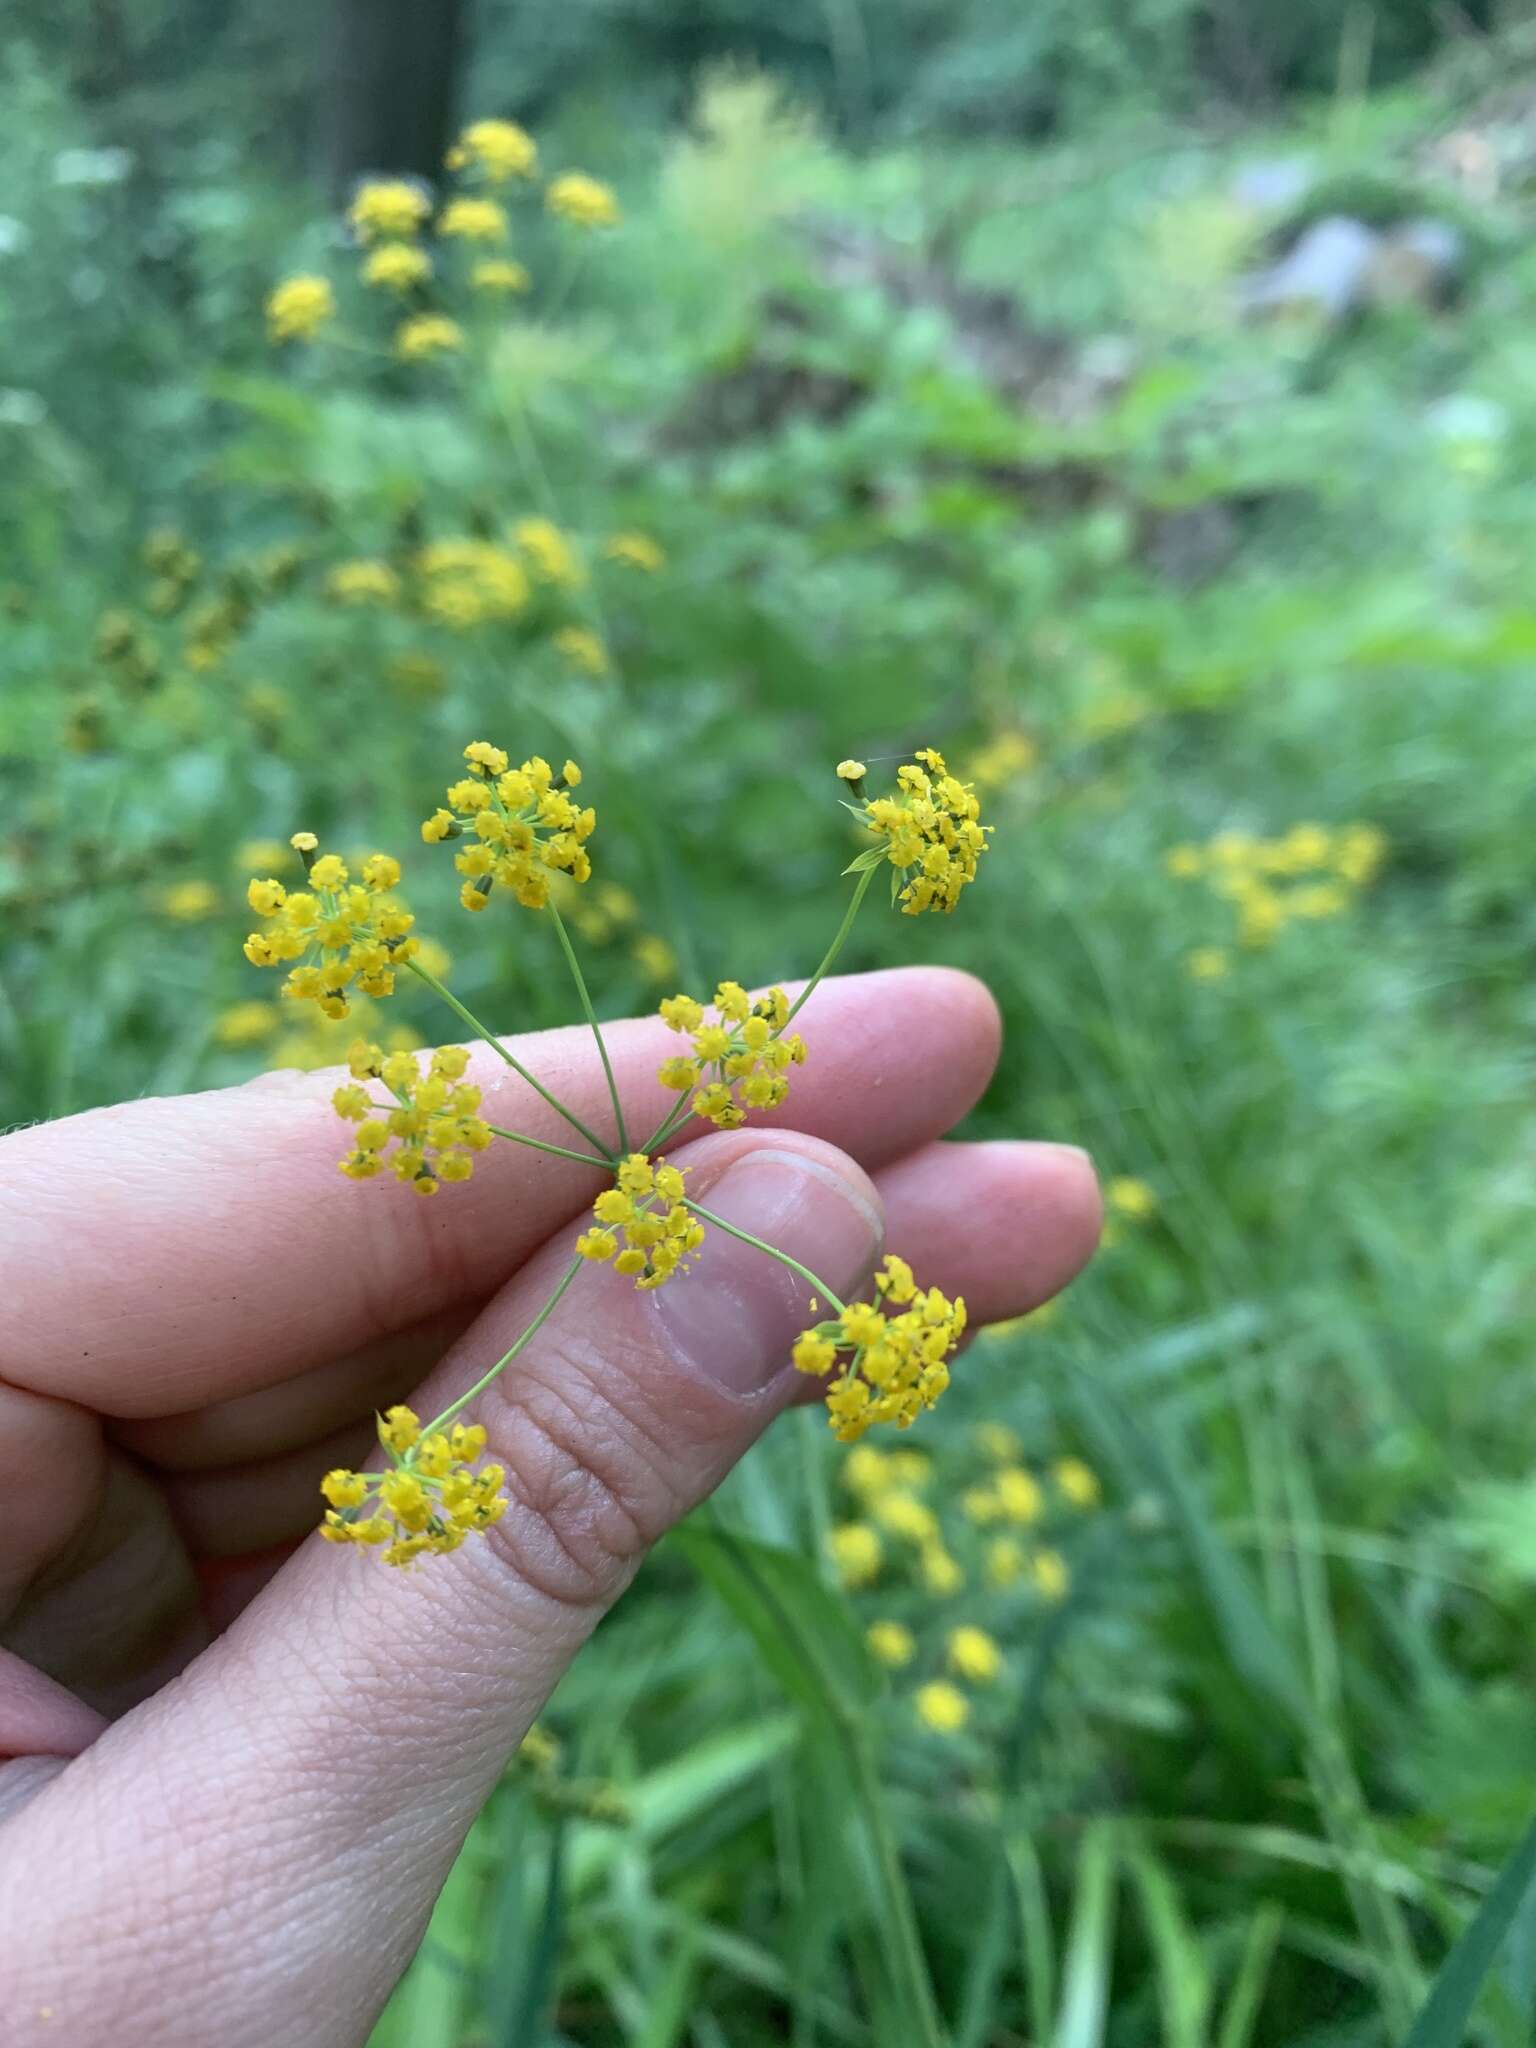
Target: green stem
x=816 y=1284
x=555 y=1151
x=902 y=1931
x=586 y=1003
x=570 y=1116
x=672 y=1122
x=834 y=949
x=507 y=1357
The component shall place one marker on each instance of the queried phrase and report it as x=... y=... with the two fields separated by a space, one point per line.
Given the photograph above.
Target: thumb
x=317 y=1769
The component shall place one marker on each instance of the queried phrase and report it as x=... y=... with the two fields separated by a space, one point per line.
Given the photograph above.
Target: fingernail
x=733 y=1318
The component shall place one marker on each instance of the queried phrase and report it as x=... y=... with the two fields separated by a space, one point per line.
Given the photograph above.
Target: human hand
x=242 y=1762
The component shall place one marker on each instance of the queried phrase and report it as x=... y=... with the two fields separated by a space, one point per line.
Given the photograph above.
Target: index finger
x=159 y=1255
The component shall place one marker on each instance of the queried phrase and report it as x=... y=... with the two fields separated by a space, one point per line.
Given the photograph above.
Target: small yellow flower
x=852 y=771
x=337 y=936
x=899 y=1363
x=467 y=582
x=474 y=220
x=244 y=1024
x=388 y=209
x=995 y=1440
x=635 y=551
x=891 y=1643
x=856 y=1552
x=520 y=826
x=299 y=307
x=583 y=650
x=1126 y=1196
x=363 y=582
x=1209 y=963
x=942 y=1574
x=941 y=1706
x=1006 y=1562
x=1078 y=1482
x=190 y=902
x=428 y=334
x=1019 y=1495
x=499 y=150
x=929 y=832
x=397 y=266
x=1053 y=1580
x=550 y=553
x=973 y=1654
x=644 y=1224
x=585 y=201
x=429 y=1500
x=499 y=275
x=1358 y=853
x=905 y=1515
x=738 y=1062
x=432 y=1117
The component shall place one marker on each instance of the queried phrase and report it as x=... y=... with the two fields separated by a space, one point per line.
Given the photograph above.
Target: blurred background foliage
x=1140 y=403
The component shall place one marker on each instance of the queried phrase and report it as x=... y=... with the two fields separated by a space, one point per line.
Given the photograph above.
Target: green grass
x=1249 y=1781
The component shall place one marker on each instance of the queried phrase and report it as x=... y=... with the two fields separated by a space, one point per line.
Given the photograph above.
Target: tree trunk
x=393 y=74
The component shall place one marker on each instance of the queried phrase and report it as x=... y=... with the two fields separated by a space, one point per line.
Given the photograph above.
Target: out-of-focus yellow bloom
x=499 y=275
x=190 y=902
x=299 y=307
x=264 y=856
x=903 y=1514
x=1005 y=758
x=474 y=220
x=973 y=1654
x=654 y=957
x=426 y=335
x=1019 y=1495
x=1052 y=1579
x=1184 y=863
x=1126 y=1196
x=244 y=1024
x=1006 y=1562
x=891 y=1642
x=550 y=553
x=1078 y=1482
x=942 y=1706
x=582 y=649
x=1209 y=963
x=941 y=1573
x=856 y=1552
x=397 y=266
x=388 y=209
x=467 y=583
x=585 y=201
x=499 y=150
x=635 y=551
x=363 y=582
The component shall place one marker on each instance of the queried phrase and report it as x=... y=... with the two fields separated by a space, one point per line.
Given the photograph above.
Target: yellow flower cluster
x=585 y=201
x=929 y=832
x=549 y=552
x=643 y=1223
x=429 y=1500
x=339 y=933
x=388 y=210
x=299 y=307
x=636 y=551
x=474 y=220
x=1326 y=866
x=523 y=825
x=363 y=582
x=433 y=1121
x=898 y=1364
x=743 y=1052
x=499 y=274
x=397 y=266
x=582 y=649
x=498 y=150
x=466 y=582
x=428 y=334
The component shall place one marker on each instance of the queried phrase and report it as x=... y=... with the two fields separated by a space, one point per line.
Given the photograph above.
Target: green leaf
x=1247 y=1994
x=1085 y=1980
x=1442 y=2022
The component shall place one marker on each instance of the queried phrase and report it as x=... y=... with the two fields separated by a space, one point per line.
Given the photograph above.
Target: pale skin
x=236 y=1763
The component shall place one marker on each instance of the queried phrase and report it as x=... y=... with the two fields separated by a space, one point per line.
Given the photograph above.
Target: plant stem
x=575 y=1122
x=902 y=1932
x=673 y=1121
x=555 y=1151
x=817 y=1285
x=586 y=1003
x=834 y=949
x=507 y=1357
